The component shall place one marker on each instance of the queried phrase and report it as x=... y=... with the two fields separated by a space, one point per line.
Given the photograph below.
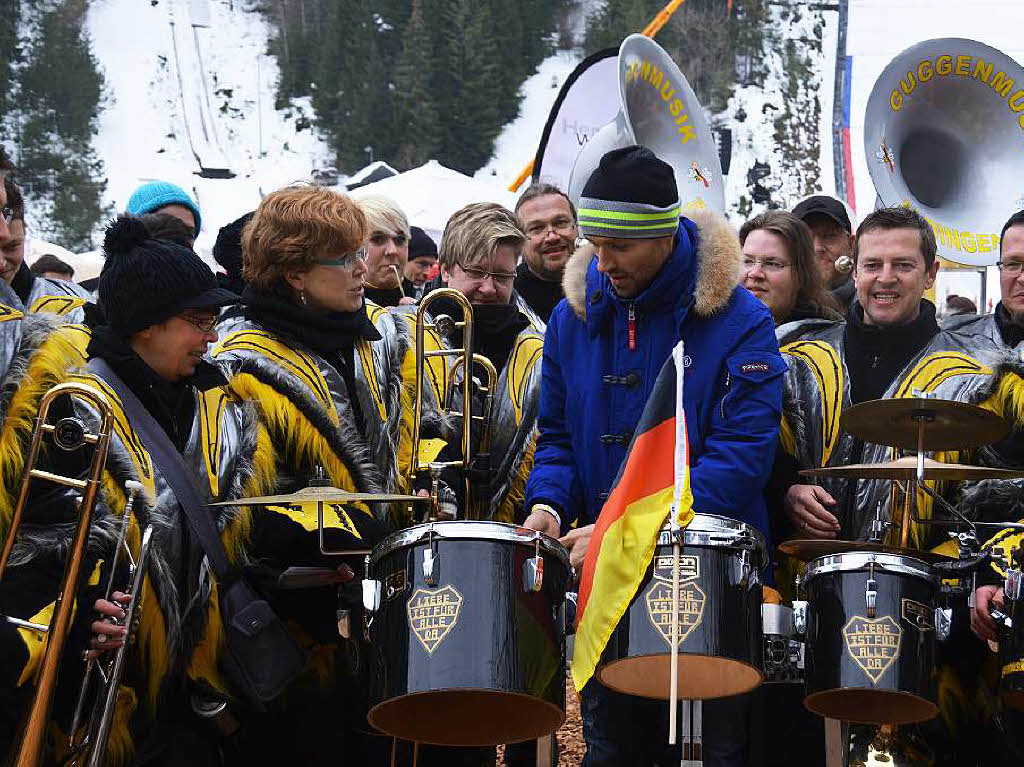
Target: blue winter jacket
x=594 y=387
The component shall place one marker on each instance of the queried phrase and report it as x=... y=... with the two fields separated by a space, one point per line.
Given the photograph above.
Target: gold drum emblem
x=691 y=597
x=433 y=613
x=873 y=643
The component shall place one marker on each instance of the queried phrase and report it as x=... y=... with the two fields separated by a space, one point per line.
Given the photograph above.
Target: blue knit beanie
x=154 y=195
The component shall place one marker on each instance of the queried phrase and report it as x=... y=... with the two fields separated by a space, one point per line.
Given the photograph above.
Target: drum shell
x=1011 y=655
x=838 y=625
x=727 y=594
x=503 y=639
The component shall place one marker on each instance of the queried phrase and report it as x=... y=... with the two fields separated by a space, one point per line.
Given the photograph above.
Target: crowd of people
x=299 y=358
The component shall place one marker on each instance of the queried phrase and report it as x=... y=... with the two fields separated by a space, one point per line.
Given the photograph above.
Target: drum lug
x=569 y=613
x=871 y=596
x=371 y=595
x=431 y=560
x=533 y=569
x=943 y=623
x=1012 y=585
x=800 y=616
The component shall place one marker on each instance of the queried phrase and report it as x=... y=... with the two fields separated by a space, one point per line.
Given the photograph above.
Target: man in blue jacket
x=653 y=278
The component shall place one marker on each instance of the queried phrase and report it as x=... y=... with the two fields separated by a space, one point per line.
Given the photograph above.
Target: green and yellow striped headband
x=637 y=220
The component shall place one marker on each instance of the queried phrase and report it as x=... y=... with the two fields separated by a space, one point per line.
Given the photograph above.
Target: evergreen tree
x=415 y=106
x=9 y=15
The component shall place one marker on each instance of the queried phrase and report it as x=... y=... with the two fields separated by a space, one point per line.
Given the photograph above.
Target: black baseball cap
x=824 y=205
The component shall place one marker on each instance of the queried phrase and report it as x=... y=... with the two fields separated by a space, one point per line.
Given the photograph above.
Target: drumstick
x=674 y=662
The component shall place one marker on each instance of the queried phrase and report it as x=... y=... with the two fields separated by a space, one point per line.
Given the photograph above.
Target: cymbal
x=948 y=425
x=906 y=468
x=324 y=494
x=812 y=548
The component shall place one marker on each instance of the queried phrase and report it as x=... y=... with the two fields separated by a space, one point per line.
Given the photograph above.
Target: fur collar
x=718 y=265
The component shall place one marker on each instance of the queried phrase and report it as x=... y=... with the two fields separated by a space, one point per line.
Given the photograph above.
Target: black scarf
x=171 y=403
x=332 y=335
x=875 y=355
x=22 y=282
x=495 y=328
x=540 y=295
x=383 y=296
x=1011 y=332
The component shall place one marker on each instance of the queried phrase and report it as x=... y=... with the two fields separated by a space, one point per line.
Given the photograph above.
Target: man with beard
x=832 y=230
x=33 y=293
x=548 y=219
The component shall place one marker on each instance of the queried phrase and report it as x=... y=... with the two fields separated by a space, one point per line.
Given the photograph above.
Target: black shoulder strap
x=171 y=466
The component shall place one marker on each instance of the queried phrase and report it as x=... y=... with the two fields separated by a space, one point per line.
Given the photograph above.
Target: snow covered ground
x=143 y=133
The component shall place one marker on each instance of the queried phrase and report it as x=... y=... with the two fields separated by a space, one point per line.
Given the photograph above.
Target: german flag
x=650 y=481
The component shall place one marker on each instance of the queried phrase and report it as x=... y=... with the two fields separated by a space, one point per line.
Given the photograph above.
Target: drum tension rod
x=871 y=590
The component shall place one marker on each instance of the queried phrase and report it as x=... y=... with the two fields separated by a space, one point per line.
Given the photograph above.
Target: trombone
x=477 y=499
x=67 y=434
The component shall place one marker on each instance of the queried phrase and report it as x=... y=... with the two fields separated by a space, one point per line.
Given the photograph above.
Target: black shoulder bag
x=262 y=656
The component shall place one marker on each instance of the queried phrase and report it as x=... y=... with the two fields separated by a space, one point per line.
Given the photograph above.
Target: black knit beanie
x=227 y=250
x=420 y=244
x=145 y=281
x=630 y=194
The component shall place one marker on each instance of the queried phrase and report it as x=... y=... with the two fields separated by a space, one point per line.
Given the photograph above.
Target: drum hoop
x=469 y=531
x=715 y=531
x=854 y=561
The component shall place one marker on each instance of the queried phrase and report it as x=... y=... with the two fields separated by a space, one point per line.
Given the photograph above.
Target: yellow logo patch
x=433 y=613
x=873 y=643
x=691 y=597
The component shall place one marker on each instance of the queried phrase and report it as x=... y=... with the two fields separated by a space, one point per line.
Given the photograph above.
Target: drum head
x=700 y=676
x=466 y=717
x=867 y=706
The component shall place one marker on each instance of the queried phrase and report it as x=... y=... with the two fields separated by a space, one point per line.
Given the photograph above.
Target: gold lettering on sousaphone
x=691 y=597
x=873 y=643
x=433 y=613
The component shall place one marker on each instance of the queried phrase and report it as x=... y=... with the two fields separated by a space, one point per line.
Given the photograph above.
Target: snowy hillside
x=224 y=101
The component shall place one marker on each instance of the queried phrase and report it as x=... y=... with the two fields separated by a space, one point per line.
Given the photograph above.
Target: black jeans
x=627 y=731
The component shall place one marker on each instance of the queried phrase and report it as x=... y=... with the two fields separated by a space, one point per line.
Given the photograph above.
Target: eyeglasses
x=504 y=279
x=560 y=226
x=347 y=261
x=7 y=212
x=767 y=264
x=1010 y=267
x=202 y=324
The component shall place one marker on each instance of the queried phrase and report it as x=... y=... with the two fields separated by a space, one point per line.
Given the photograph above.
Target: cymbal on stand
x=317 y=493
x=906 y=468
x=948 y=425
x=812 y=548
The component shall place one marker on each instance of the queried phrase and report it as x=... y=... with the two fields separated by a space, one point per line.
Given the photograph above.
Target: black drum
x=719 y=617
x=871 y=633
x=467 y=634
x=1011 y=646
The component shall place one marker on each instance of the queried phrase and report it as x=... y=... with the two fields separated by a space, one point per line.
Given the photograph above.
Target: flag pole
x=679 y=467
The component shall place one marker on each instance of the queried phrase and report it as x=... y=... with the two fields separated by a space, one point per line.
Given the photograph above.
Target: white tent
x=86 y=265
x=430 y=194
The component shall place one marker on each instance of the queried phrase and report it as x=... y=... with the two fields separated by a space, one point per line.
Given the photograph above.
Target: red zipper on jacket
x=632 y=328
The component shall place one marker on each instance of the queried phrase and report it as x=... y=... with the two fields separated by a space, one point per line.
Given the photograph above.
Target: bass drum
x=719 y=617
x=467 y=634
x=871 y=633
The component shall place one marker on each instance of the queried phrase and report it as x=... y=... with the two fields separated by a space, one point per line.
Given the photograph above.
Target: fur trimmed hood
x=718 y=265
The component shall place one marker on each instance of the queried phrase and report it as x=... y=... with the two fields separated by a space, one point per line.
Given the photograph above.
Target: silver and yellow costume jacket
x=305 y=404
x=60 y=297
x=232 y=455
x=955 y=366
x=982 y=325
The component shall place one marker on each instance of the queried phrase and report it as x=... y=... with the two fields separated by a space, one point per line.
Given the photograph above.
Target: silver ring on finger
x=101 y=639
